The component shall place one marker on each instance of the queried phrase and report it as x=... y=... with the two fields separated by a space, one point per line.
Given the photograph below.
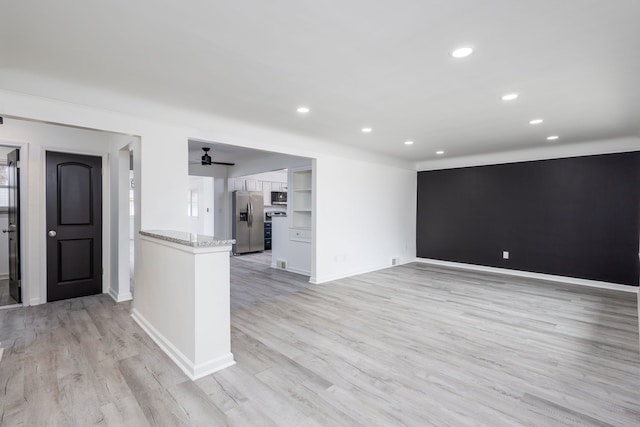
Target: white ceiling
x=384 y=64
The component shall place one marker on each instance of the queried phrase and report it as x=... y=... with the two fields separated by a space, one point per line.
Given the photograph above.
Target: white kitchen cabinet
x=236 y=184
x=288 y=253
x=276 y=186
x=300 y=234
x=252 y=185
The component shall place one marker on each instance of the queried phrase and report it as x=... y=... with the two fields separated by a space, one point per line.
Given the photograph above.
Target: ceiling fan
x=206 y=159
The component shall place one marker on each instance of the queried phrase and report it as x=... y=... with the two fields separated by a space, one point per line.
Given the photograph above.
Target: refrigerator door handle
x=250 y=214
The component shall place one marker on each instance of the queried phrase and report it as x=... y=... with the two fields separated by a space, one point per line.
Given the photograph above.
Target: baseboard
x=530 y=275
x=329 y=278
x=191 y=370
x=298 y=271
x=203 y=369
x=291 y=270
x=120 y=297
x=4 y=276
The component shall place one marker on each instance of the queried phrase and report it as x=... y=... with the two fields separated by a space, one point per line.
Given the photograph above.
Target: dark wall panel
x=576 y=217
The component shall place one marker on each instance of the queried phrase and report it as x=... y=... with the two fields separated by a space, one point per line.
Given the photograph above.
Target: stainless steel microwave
x=278 y=197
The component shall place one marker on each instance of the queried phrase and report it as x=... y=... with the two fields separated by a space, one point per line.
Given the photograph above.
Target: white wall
x=222 y=206
x=365 y=216
x=273 y=162
x=272 y=176
x=203 y=223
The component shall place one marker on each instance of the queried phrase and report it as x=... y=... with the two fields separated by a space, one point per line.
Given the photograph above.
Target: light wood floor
x=263 y=257
x=413 y=345
x=5 y=296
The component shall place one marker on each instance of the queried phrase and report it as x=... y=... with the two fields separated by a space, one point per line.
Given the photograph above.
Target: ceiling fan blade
x=206 y=159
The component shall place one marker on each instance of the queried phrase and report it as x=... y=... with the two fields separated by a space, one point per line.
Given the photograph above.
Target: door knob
x=52 y=233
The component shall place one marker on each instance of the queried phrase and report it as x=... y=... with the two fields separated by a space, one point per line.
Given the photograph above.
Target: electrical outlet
x=505 y=254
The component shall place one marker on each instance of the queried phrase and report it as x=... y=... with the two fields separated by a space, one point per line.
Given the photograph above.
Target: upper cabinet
x=236 y=184
x=253 y=185
x=247 y=184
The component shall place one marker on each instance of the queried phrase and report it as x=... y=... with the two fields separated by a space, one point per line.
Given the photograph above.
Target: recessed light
x=408 y=143
x=366 y=130
x=509 y=97
x=552 y=137
x=439 y=152
x=303 y=110
x=462 y=52
x=535 y=121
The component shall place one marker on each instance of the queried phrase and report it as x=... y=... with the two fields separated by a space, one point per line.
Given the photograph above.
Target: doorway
x=10 y=270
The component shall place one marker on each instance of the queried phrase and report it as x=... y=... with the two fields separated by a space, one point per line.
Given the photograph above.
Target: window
x=4 y=187
x=193 y=203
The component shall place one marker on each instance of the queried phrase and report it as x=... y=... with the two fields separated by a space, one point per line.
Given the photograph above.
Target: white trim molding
x=126 y=296
x=317 y=280
x=519 y=273
x=192 y=370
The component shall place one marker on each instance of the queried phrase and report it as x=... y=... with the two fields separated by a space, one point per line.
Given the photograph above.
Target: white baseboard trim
x=530 y=275
x=291 y=269
x=203 y=369
x=120 y=297
x=191 y=370
x=298 y=271
x=332 y=277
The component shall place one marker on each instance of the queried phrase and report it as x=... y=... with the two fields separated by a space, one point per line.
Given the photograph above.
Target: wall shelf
x=301 y=200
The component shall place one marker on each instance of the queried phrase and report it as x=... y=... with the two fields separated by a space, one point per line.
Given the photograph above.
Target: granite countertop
x=187 y=239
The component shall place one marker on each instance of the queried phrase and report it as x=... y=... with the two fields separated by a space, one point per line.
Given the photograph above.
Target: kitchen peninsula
x=182 y=298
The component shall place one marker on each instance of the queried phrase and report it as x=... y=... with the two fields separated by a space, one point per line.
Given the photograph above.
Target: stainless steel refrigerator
x=248 y=221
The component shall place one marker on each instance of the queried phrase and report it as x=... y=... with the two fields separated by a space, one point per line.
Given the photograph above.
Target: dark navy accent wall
x=576 y=217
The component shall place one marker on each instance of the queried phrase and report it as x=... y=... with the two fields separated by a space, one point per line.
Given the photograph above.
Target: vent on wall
x=282 y=264
x=395 y=261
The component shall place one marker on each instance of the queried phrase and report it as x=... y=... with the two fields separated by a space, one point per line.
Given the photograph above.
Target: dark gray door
x=74 y=225
x=15 y=289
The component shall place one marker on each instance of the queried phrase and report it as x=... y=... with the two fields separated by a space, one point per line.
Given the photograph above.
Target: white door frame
x=23 y=176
